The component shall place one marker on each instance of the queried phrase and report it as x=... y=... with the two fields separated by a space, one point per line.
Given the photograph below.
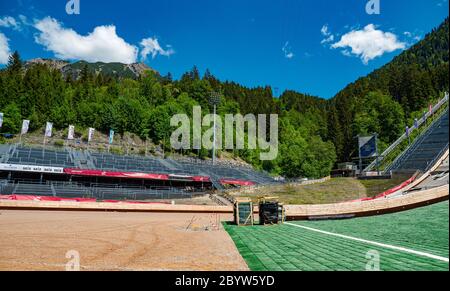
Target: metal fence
x=422 y=121
x=98 y=191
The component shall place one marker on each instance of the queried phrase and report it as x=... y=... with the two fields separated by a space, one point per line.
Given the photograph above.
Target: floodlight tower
x=214 y=100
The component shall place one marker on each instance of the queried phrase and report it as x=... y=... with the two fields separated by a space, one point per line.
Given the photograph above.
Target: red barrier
x=125 y=175
x=111 y=201
x=131 y=175
x=397 y=188
x=24 y=197
x=201 y=179
x=388 y=192
x=86 y=200
x=49 y=198
x=59 y=199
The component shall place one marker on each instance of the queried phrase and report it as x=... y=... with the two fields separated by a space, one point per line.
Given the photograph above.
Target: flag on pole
x=71 y=134
x=25 y=126
x=49 y=129
x=111 y=136
x=91 y=134
x=1 y=119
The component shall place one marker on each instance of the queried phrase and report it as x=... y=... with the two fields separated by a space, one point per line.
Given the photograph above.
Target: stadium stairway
x=426 y=148
x=4 y=153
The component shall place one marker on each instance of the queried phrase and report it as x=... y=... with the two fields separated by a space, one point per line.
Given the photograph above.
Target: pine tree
x=14 y=65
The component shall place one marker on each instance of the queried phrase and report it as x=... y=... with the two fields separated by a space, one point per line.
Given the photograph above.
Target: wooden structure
x=243 y=212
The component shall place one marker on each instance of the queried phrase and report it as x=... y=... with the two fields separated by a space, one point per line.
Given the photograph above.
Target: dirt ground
x=35 y=240
x=200 y=200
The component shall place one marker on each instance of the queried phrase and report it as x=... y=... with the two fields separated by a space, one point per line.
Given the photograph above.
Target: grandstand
x=422 y=154
x=74 y=173
x=425 y=149
x=44 y=157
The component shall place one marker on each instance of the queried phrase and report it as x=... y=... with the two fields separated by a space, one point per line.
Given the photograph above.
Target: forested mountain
x=412 y=80
x=314 y=133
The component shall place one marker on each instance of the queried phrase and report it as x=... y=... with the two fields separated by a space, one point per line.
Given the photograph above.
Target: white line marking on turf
x=423 y=254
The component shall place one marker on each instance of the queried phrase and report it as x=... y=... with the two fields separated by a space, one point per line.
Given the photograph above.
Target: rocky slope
x=73 y=70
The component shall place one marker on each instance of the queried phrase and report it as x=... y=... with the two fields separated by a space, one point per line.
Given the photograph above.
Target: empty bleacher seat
x=425 y=150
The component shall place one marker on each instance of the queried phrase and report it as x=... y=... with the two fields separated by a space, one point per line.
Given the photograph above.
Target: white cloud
x=4 y=49
x=151 y=46
x=329 y=37
x=101 y=45
x=412 y=37
x=10 y=22
x=287 y=50
x=369 y=43
x=324 y=30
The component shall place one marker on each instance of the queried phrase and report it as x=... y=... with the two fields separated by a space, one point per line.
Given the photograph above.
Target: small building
x=345 y=170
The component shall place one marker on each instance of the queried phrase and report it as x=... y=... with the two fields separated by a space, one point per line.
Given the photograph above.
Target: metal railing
x=413 y=146
x=421 y=121
x=432 y=163
x=49 y=188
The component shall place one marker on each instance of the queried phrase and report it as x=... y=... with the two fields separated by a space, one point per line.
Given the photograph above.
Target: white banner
x=91 y=134
x=49 y=129
x=71 y=134
x=26 y=168
x=1 y=119
x=25 y=126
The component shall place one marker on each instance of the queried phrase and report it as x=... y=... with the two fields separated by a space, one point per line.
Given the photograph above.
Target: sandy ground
x=200 y=200
x=35 y=240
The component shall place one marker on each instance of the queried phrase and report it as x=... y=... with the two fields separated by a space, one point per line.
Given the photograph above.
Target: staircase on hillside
x=389 y=153
x=422 y=154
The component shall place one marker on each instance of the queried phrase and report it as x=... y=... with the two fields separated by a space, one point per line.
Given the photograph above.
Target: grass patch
x=375 y=187
x=332 y=191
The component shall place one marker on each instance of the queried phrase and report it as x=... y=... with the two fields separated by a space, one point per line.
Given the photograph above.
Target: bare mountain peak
x=111 y=69
x=52 y=63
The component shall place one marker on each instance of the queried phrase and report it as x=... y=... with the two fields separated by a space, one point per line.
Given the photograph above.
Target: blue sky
x=314 y=47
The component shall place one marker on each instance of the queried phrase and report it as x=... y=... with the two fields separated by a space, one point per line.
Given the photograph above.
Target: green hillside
x=412 y=79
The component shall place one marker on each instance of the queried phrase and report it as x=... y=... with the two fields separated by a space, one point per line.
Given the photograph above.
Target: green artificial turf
x=286 y=248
